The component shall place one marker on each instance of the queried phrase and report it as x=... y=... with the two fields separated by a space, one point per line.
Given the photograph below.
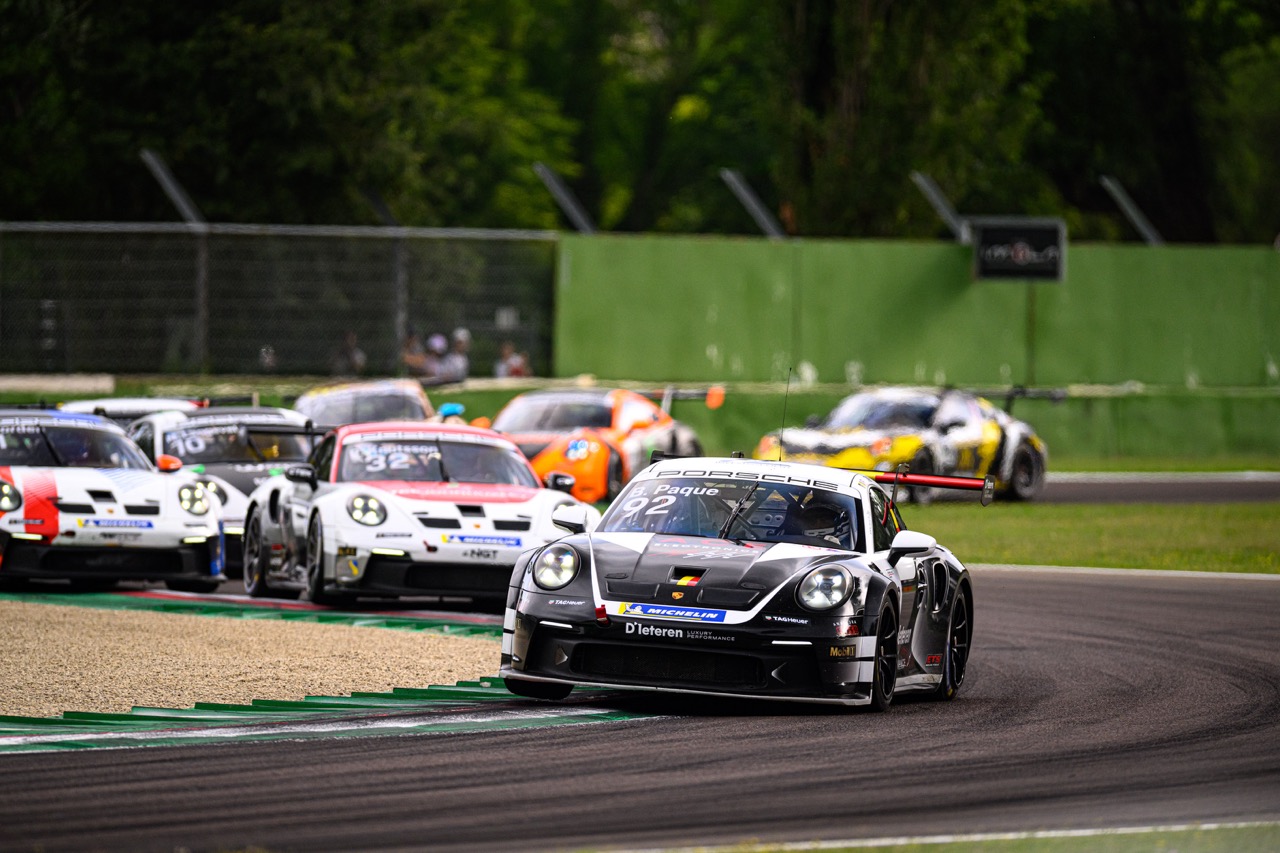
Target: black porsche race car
x=747 y=578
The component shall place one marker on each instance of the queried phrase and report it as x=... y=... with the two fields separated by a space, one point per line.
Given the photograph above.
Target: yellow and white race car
x=932 y=431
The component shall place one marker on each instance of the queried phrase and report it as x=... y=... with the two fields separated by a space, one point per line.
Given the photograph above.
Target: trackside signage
x=1014 y=247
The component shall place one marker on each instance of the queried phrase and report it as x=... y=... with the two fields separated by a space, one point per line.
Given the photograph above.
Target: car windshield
x=434 y=460
x=349 y=408
x=52 y=445
x=531 y=414
x=741 y=510
x=872 y=411
x=235 y=443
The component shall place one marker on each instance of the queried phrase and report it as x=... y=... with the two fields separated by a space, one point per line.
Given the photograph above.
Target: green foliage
x=321 y=111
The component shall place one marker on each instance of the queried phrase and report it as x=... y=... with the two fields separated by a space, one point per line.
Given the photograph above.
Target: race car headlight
x=825 y=587
x=555 y=567
x=10 y=497
x=194 y=499
x=367 y=510
x=213 y=489
x=579 y=449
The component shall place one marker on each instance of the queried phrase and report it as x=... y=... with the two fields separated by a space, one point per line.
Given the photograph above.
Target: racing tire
x=538 y=689
x=1026 y=479
x=955 y=657
x=193 y=585
x=884 y=672
x=613 y=479
x=921 y=463
x=255 y=563
x=315 y=564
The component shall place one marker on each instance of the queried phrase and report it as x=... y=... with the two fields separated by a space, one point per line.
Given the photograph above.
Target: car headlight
x=579 y=449
x=555 y=567
x=825 y=587
x=194 y=499
x=214 y=489
x=367 y=510
x=10 y=497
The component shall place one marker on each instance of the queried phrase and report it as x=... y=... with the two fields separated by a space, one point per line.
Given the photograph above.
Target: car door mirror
x=911 y=543
x=301 y=474
x=570 y=517
x=168 y=464
x=559 y=481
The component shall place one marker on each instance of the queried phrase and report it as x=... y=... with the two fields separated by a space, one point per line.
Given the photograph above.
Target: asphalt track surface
x=1094 y=700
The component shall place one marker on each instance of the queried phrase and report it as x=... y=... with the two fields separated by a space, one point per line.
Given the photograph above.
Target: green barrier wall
x=708 y=309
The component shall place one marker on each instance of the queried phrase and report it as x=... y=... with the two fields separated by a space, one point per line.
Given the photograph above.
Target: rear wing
x=1016 y=392
x=986 y=485
x=713 y=396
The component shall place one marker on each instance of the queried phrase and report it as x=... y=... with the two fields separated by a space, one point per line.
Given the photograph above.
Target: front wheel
x=921 y=463
x=315 y=563
x=538 y=689
x=885 y=670
x=955 y=658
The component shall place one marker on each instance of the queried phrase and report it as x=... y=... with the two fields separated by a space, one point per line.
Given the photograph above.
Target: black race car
x=747 y=578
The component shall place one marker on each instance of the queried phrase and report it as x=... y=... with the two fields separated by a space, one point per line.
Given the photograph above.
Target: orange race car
x=601 y=437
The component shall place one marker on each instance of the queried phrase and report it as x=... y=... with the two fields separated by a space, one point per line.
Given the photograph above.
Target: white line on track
x=1161 y=476
x=983 y=568
x=906 y=840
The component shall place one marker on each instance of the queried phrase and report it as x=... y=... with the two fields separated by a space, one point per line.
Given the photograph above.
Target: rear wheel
x=538 y=689
x=955 y=658
x=1026 y=480
x=885 y=670
x=315 y=563
x=255 y=559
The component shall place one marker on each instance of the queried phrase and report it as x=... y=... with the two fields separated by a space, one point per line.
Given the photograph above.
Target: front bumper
x=390 y=576
x=741 y=661
x=35 y=560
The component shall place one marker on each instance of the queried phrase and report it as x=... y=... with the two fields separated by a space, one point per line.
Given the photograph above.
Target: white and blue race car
x=80 y=502
x=399 y=508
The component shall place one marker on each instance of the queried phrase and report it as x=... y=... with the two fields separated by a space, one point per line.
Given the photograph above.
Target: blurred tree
x=275 y=111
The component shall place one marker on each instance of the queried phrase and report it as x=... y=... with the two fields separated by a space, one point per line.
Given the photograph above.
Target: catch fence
x=244 y=299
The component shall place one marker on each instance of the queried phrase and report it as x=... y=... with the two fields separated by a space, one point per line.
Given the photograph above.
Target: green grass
x=1228 y=537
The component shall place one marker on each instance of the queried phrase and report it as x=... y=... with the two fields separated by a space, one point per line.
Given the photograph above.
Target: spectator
x=510 y=362
x=455 y=366
x=348 y=359
x=413 y=356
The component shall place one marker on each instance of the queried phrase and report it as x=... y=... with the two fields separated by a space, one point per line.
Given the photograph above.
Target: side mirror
x=911 y=543
x=168 y=464
x=570 y=517
x=560 y=482
x=950 y=425
x=301 y=474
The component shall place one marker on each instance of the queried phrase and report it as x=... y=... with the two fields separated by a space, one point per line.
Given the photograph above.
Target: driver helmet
x=824 y=521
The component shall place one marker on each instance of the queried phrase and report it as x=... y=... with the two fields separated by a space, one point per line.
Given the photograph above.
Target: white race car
x=80 y=502
x=231 y=450
x=401 y=508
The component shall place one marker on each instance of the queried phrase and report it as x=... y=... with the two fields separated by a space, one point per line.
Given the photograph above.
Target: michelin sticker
x=658 y=611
